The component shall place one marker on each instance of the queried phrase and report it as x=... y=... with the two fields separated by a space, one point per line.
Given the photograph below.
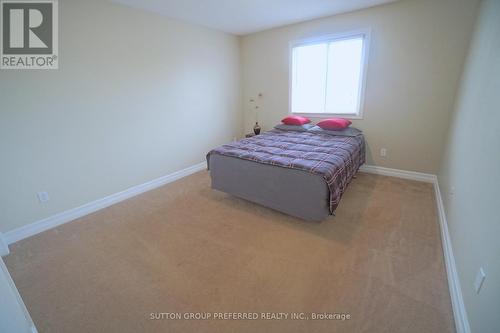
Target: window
x=328 y=76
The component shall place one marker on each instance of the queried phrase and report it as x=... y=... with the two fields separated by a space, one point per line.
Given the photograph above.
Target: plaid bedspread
x=335 y=158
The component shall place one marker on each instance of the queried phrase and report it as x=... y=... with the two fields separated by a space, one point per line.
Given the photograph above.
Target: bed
x=302 y=174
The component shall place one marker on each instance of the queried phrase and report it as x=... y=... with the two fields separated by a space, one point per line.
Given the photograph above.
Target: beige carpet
x=185 y=248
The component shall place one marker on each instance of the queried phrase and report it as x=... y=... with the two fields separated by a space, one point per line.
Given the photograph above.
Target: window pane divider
x=326 y=75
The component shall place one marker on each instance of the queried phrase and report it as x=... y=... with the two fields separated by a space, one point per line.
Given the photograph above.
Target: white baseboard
x=413 y=175
x=457 y=301
x=4 y=248
x=91 y=207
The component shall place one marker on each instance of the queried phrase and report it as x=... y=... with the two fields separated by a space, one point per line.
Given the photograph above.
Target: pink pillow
x=296 y=120
x=334 y=124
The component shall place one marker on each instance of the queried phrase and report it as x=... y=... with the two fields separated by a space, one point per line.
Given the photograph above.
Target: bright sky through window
x=327 y=76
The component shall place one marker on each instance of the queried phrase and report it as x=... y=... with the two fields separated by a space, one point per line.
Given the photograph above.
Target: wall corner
x=4 y=247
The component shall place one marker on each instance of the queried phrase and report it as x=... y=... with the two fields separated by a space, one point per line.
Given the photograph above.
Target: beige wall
x=137 y=96
x=470 y=173
x=417 y=52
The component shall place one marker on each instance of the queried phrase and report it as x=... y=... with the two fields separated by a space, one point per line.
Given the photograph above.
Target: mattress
x=303 y=174
x=293 y=192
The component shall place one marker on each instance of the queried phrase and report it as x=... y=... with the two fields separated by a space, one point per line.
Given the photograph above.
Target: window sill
x=327 y=115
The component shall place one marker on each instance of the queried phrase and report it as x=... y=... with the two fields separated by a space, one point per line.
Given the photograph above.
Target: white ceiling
x=242 y=17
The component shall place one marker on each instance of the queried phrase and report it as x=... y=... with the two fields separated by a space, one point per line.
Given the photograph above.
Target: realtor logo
x=29 y=34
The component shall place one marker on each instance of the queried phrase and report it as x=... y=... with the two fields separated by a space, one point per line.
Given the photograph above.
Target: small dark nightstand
x=249 y=135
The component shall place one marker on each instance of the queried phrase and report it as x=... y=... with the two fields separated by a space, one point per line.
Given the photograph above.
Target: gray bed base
x=293 y=192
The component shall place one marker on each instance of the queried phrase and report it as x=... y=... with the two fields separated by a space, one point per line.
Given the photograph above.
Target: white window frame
x=365 y=33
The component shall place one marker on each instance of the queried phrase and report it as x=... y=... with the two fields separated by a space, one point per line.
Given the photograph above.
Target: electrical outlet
x=452 y=190
x=383 y=152
x=478 y=282
x=43 y=197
